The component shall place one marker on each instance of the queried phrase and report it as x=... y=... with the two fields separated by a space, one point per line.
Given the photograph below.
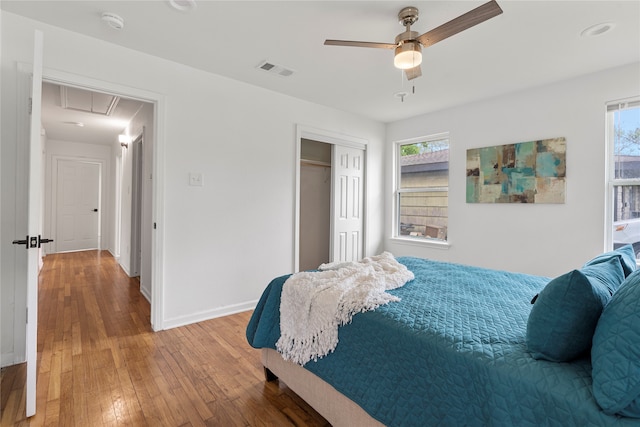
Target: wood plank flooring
x=100 y=364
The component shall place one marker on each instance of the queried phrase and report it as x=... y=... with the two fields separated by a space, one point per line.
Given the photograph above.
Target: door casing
x=334 y=138
x=136 y=204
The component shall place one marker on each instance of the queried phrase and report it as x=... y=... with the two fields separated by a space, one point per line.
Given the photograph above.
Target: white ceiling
x=532 y=43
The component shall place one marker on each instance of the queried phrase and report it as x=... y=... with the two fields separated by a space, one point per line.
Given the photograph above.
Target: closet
x=315 y=204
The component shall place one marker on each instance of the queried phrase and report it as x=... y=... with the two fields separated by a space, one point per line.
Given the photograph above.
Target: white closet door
x=348 y=203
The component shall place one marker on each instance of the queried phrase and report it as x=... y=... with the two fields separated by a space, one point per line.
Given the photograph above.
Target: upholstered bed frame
x=331 y=404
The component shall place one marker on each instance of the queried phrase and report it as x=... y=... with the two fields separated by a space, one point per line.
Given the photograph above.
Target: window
x=422 y=188
x=623 y=121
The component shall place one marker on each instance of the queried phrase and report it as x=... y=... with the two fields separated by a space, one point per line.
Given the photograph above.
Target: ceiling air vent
x=275 y=69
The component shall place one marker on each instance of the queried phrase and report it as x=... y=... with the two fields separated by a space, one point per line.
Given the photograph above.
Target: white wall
x=66 y=150
x=538 y=239
x=240 y=137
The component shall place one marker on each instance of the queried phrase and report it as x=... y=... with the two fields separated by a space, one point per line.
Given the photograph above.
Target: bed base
x=327 y=401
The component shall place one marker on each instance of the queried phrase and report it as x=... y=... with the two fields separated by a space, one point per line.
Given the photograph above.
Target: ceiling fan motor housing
x=406 y=36
x=408 y=16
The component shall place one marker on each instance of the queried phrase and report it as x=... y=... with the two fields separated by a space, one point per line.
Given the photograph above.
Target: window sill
x=437 y=244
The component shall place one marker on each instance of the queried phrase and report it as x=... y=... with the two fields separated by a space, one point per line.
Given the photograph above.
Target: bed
x=451 y=352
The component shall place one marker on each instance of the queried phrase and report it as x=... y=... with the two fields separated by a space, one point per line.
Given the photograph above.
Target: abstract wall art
x=526 y=172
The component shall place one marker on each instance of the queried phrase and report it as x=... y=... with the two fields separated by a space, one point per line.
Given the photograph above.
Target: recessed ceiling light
x=598 y=29
x=183 y=5
x=114 y=21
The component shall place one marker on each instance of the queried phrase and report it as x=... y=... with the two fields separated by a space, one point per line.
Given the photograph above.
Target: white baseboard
x=209 y=314
x=125 y=269
x=9 y=359
x=117 y=258
x=145 y=293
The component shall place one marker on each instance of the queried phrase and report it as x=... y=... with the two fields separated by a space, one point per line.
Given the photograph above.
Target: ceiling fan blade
x=413 y=73
x=461 y=23
x=360 y=44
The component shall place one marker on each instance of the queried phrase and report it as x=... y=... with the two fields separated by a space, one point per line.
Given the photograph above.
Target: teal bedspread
x=450 y=353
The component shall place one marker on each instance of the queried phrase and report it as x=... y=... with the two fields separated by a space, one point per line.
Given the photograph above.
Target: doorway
x=330 y=198
x=24 y=269
x=315 y=204
x=116 y=211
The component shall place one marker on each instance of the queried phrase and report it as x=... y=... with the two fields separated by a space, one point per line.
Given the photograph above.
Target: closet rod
x=315 y=163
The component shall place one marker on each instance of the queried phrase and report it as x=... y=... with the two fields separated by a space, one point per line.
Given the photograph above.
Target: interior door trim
x=158 y=190
x=328 y=137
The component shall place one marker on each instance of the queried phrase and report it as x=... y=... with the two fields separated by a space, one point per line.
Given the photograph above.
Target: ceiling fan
x=408 y=45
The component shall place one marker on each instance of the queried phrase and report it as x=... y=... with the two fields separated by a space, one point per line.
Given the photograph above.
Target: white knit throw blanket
x=314 y=304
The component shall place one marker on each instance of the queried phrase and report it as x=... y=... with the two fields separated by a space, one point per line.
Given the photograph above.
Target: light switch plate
x=196 y=179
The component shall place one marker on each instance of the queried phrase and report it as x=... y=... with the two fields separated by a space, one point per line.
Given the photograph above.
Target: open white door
x=348 y=202
x=32 y=243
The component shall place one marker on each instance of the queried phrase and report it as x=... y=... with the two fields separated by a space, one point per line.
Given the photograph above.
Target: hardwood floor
x=99 y=363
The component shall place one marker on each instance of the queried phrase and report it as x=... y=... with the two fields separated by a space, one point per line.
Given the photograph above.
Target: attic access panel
x=90 y=102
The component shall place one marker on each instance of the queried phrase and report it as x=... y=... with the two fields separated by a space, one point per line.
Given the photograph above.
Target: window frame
x=397 y=191
x=612 y=181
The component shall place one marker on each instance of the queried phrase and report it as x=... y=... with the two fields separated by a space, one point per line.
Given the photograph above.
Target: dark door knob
x=32 y=242
x=95 y=210
x=41 y=241
x=24 y=242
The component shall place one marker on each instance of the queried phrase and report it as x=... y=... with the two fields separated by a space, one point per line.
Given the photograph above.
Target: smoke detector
x=183 y=5
x=598 y=29
x=114 y=21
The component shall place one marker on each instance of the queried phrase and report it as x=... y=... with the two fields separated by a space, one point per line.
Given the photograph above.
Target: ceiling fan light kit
x=408 y=55
x=408 y=44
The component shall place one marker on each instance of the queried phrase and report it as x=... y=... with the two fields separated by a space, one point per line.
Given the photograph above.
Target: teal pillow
x=564 y=317
x=615 y=355
x=625 y=254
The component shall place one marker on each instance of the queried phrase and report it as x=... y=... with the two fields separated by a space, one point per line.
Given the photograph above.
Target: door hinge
x=27 y=311
x=30 y=105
